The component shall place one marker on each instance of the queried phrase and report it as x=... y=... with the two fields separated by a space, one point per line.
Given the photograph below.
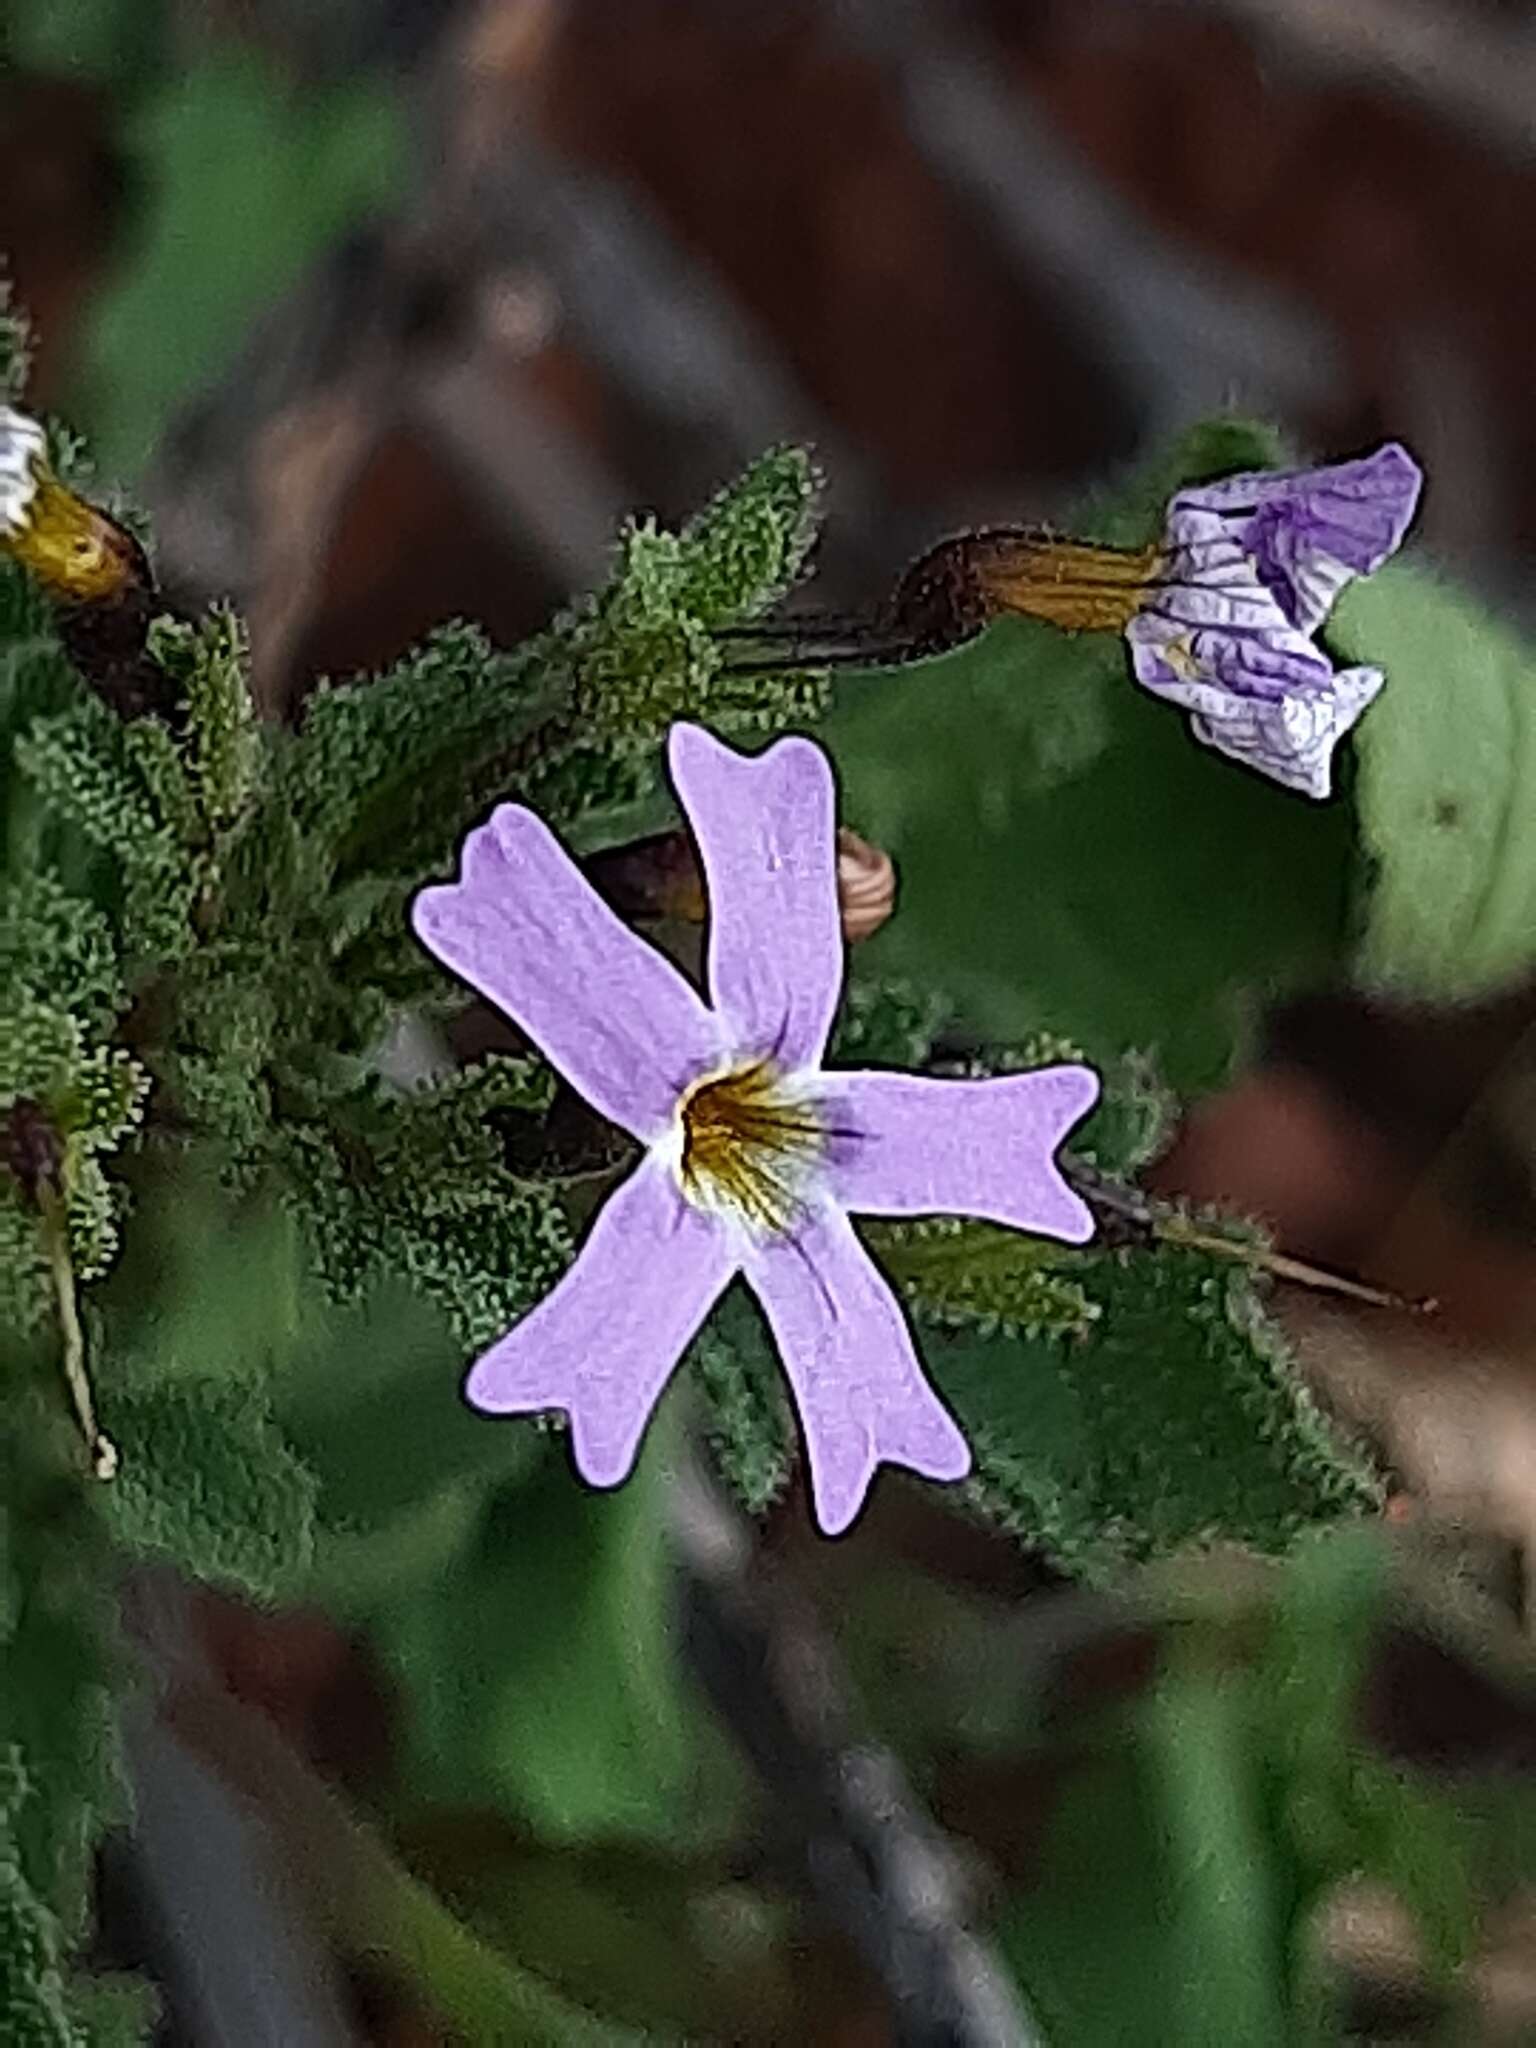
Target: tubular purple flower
x=755 y=1154
x=1250 y=569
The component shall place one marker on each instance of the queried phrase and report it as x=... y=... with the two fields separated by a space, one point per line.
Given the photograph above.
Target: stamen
x=748 y=1144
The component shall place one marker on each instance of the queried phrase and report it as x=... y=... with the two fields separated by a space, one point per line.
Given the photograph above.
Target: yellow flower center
x=748 y=1144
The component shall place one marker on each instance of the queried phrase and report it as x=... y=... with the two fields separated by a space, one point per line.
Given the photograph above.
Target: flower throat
x=748 y=1144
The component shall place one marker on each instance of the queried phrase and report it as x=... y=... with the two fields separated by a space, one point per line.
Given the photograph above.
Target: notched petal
x=913 y=1145
x=765 y=826
x=848 y=1355
x=526 y=929
x=605 y=1340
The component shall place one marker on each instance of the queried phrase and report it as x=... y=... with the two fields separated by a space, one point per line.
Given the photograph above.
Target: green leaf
x=886 y=1023
x=1346 y=1807
x=1071 y=858
x=56 y=1707
x=208 y=1481
x=374 y=1405
x=477 y=1240
x=1447 y=787
x=60 y=947
x=744 y=551
x=1132 y=1120
x=662 y=1943
x=26 y=1287
x=543 y=1672
x=33 y=2011
x=959 y=1274
x=85 y=767
x=640 y=653
x=1089 y=1938
x=112 y=42
x=751 y=1430
x=209 y=661
x=1175 y=1419
x=113 y=2012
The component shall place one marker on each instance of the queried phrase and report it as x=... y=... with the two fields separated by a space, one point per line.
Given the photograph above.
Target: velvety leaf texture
x=208 y=1482
x=1175 y=1417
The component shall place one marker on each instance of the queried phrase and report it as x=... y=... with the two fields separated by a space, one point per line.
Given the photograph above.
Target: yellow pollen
x=1076 y=585
x=748 y=1144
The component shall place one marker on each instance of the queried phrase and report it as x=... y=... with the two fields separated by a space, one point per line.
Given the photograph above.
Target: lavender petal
x=766 y=830
x=1307 y=531
x=909 y=1145
x=603 y=1343
x=1274 y=710
x=851 y=1365
x=524 y=927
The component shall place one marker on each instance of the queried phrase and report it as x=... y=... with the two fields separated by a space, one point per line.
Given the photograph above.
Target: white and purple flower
x=1249 y=570
x=755 y=1154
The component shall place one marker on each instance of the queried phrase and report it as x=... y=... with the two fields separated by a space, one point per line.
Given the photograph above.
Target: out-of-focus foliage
x=1242 y=1789
x=216 y=135
x=1447 y=773
x=116 y=40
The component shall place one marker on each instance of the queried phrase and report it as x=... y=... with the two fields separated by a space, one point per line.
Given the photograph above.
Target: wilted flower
x=1249 y=570
x=1219 y=613
x=23 y=459
x=754 y=1152
x=76 y=552
x=91 y=567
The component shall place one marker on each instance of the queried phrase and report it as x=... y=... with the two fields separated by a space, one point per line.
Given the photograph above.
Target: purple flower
x=1250 y=570
x=755 y=1154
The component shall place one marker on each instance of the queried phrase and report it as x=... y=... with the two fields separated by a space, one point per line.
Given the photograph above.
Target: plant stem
x=1176 y=1230
x=102 y=1450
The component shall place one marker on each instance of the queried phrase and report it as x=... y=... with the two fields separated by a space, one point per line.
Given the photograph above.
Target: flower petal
x=1278 y=709
x=1167 y=652
x=23 y=450
x=765 y=824
x=850 y=1362
x=525 y=927
x=1307 y=531
x=603 y=1343
x=909 y=1145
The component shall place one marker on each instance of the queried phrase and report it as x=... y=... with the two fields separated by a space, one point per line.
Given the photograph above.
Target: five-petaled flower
x=1249 y=569
x=754 y=1152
